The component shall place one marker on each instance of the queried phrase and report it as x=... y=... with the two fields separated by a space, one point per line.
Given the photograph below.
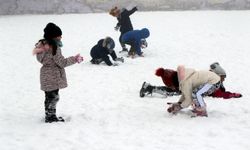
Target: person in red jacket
x=171 y=88
x=221 y=91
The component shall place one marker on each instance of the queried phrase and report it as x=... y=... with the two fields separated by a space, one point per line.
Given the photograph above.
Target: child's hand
x=78 y=58
x=237 y=95
x=115 y=64
x=116 y=28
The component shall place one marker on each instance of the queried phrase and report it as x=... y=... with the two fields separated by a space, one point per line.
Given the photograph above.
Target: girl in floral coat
x=52 y=72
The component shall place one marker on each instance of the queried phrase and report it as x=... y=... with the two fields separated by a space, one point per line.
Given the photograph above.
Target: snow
x=102 y=104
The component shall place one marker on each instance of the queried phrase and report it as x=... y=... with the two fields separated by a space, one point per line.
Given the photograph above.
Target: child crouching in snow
x=137 y=40
x=194 y=85
x=52 y=72
x=101 y=51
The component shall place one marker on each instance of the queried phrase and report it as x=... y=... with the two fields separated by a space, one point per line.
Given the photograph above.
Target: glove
x=116 y=28
x=174 y=108
x=121 y=59
x=115 y=64
x=78 y=58
x=237 y=95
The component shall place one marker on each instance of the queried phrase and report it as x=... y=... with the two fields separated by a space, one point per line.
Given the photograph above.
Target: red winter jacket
x=221 y=92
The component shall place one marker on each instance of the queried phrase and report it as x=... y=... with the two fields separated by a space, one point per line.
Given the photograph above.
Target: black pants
x=51 y=99
x=120 y=40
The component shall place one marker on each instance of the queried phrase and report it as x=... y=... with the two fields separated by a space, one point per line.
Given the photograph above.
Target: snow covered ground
x=102 y=104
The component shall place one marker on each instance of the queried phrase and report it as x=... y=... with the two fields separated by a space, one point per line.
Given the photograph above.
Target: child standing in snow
x=52 y=72
x=124 y=22
x=101 y=51
x=137 y=40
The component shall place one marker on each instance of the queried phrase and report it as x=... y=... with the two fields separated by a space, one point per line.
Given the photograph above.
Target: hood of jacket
x=144 y=33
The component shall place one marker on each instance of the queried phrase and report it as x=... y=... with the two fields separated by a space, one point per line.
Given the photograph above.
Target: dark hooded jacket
x=124 y=21
x=100 y=52
x=134 y=37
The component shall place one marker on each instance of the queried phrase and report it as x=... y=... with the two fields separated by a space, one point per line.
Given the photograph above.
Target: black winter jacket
x=124 y=21
x=98 y=51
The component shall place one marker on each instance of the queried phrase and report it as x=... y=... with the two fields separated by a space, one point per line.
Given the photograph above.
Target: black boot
x=53 y=118
x=146 y=89
x=124 y=49
x=96 y=61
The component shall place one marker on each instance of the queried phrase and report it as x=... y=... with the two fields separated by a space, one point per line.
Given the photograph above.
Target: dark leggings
x=51 y=99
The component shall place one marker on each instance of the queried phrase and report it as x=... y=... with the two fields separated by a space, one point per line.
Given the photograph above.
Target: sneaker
x=146 y=89
x=53 y=118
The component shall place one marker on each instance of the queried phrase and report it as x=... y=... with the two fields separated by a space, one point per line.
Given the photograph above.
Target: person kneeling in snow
x=137 y=40
x=169 y=78
x=102 y=49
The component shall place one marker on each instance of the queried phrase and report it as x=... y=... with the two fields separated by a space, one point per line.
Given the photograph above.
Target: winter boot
x=124 y=49
x=146 y=89
x=121 y=59
x=96 y=61
x=53 y=118
x=131 y=53
x=202 y=112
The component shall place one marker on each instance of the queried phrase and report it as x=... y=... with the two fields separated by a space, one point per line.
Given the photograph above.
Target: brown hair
x=113 y=11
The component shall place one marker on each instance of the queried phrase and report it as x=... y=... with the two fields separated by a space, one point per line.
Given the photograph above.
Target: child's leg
x=51 y=99
x=199 y=94
x=163 y=90
x=122 y=44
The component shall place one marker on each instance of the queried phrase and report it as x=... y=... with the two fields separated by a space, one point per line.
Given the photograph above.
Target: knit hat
x=168 y=76
x=51 y=31
x=159 y=72
x=216 y=68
